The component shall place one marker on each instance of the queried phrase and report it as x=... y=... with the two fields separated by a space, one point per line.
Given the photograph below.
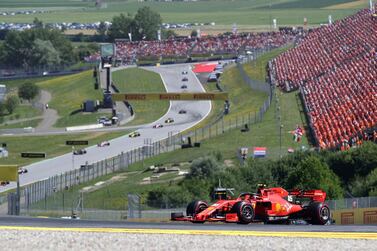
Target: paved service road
x=172 y=78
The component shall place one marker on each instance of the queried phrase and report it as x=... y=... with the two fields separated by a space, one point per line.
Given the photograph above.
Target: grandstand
x=185 y=47
x=335 y=68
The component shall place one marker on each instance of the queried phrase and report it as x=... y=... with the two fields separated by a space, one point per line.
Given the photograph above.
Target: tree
x=44 y=53
x=28 y=91
x=204 y=167
x=166 y=34
x=121 y=26
x=312 y=173
x=38 y=24
x=102 y=28
x=194 y=33
x=147 y=23
x=11 y=103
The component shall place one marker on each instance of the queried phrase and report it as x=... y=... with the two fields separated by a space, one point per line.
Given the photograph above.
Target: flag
x=198 y=32
x=330 y=19
x=274 y=21
x=130 y=36
x=305 y=21
x=260 y=152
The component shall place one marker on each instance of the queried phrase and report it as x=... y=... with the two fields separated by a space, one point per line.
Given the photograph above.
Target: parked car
x=184 y=87
x=158 y=126
x=184 y=79
x=182 y=111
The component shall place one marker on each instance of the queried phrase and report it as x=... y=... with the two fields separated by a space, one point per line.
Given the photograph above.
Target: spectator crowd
x=335 y=68
x=185 y=47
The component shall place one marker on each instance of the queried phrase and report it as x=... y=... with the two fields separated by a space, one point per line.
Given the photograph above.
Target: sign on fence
x=33 y=155
x=76 y=142
x=169 y=96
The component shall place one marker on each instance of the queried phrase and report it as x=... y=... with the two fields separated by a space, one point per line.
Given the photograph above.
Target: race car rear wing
x=315 y=195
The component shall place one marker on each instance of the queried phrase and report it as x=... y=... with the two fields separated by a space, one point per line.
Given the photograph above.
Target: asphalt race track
x=42 y=222
x=172 y=78
x=24 y=233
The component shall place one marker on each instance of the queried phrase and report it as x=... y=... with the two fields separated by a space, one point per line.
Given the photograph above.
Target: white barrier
x=84 y=127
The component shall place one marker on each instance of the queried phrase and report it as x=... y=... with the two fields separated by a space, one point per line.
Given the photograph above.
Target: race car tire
x=195 y=207
x=320 y=213
x=245 y=212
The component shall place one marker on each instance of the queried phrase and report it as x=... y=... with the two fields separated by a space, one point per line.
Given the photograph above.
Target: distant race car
x=103 y=143
x=79 y=152
x=184 y=87
x=158 y=126
x=184 y=72
x=169 y=120
x=134 y=134
x=184 y=79
x=267 y=205
x=22 y=170
x=182 y=111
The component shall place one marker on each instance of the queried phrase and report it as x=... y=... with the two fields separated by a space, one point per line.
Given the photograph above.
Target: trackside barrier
x=84 y=127
x=355 y=216
x=37 y=196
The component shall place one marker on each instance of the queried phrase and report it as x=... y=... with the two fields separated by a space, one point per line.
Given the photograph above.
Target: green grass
x=243 y=100
x=243 y=12
x=29 y=123
x=21 y=112
x=13 y=84
x=257 y=68
x=68 y=94
x=140 y=81
x=53 y=145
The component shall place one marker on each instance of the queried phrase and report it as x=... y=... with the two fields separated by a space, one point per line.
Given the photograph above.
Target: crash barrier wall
x=37 y=195
x=358 y=216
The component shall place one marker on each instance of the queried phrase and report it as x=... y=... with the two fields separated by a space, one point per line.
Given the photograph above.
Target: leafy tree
x=204 y=167
x=28 y=91
x=312 y=173
x=11 y=103
x=3 y=109
x=166 y=34
x=102 y=28
x=147 y=23
x=38 y=24
x=194 y=33
x=121 y=26
x=44 y=53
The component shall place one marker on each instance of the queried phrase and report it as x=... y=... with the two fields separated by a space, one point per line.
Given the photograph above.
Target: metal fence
x=352 y=203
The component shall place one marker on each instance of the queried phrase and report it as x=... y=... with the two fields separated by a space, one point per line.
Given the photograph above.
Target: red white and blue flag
x=260 y=151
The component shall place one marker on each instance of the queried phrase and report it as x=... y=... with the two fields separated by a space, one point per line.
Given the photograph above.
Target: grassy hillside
x=140 y=80
x=68 y=94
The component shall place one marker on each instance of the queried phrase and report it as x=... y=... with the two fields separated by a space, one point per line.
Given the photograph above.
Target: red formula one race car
x=268 y=205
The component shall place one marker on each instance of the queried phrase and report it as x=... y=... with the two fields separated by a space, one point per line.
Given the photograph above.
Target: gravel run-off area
x=71 y=240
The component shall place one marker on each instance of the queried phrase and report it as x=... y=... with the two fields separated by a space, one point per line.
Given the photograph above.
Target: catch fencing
x=36 y=196
x=352 y=203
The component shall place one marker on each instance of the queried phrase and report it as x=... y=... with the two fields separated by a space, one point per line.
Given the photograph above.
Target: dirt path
x=50 y=116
